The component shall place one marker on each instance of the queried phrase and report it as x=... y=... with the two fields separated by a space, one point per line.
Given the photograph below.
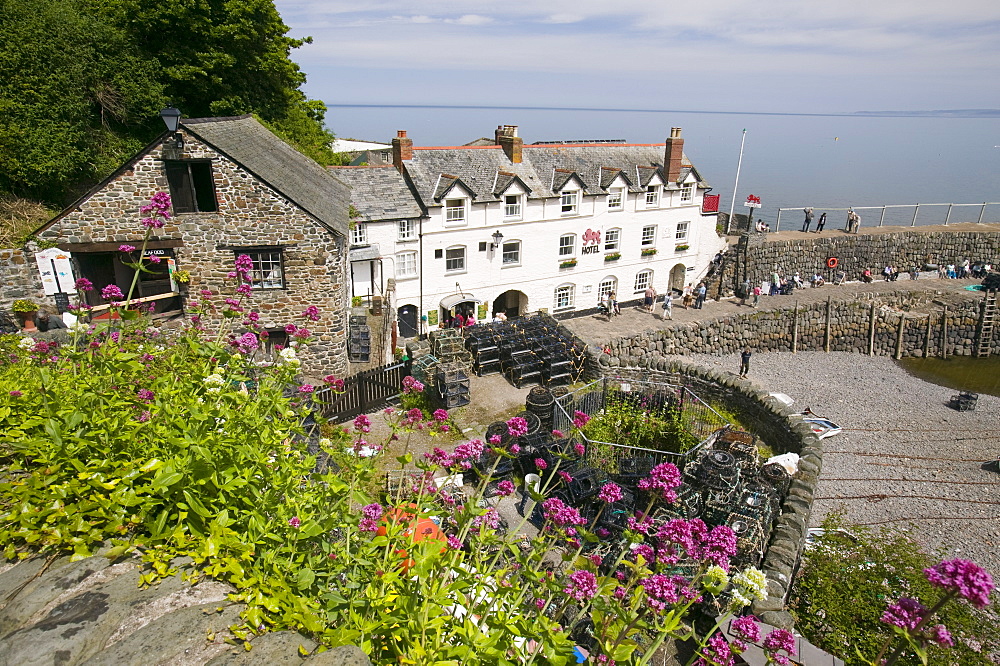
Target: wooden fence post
x=795 y=328
x=899 y=336
x=927 y=338
x=826 y=341
x=871 y=330
x=944 y=332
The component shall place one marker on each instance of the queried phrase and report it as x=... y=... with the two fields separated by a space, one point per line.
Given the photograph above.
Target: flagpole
x=732 y=206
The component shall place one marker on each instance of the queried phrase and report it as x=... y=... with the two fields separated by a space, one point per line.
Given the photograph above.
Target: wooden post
x=871 y=330
x=795 y=327
x=899 y=336
x=944 y=332
x=826 y=341
x=927 y=338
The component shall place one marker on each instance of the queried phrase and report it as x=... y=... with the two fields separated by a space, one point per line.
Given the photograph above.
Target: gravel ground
x=905 y=459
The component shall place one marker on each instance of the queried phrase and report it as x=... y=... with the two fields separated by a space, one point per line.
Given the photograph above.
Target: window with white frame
x=454 y=211
x=607 y=286
x=616 y=198
x=359 y=234
x=642 y=280
x=512 y=207
x=407 y=230
x=687 y=193
x=268 y=271
x=567 y=245
x=569 y=201
x=682 y=231
x=649 y=236
x=511 y=253
x=454 y=259
x=612 y=240
x=406 y=264
x=564 y=297
x=652 y=196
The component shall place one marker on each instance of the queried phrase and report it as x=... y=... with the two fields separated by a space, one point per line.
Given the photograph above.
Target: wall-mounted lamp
x=171 y=118
x=497 y=239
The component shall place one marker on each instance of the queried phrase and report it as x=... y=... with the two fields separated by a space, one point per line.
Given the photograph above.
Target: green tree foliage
x=82 y=82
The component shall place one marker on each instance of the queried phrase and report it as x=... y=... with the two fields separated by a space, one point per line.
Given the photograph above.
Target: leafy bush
x=850 y=577
x=636 y=422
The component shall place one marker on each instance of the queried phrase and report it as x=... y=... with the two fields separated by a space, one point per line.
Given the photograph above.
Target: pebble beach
x=904 y=460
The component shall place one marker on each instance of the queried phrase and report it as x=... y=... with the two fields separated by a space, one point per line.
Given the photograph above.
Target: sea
x=790 y=161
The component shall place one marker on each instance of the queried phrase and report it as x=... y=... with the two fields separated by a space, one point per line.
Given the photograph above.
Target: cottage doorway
x=408 y=321
x=512 y=303
x=677 y=276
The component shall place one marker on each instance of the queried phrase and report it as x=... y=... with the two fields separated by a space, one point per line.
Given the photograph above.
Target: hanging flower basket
x=614 y=256
x=569 y=263
x=649 y=252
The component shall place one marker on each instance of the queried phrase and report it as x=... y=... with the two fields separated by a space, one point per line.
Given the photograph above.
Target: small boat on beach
x=821 y=427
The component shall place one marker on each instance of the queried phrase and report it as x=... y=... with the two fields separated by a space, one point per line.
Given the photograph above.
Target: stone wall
x=856 y=252
x=880 y=326
x=250 y=214
x=775 y=424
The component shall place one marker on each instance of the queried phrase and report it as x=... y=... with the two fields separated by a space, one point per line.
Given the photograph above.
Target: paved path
x=597 y=330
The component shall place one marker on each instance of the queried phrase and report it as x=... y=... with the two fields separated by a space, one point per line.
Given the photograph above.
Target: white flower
x=215 y=382
x=26 y=343
x=751 y=583
x=78 y=327
x=288 y=357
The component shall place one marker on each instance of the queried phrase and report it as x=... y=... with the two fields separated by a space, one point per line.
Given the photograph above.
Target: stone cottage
x=236 y=188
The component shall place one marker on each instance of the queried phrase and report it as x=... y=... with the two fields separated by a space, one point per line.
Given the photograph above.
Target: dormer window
x=616 y=198
x=687 y=193
x=512 y=207
x=652 y=196
x=569 y=201
x=454 y=211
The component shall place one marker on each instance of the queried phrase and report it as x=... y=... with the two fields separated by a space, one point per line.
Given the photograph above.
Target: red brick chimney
x=672 y=155
x=402 y=149
x=507 y=138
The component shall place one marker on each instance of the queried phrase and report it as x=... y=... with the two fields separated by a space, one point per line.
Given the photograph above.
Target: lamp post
x=172 y=118
x=497 y=239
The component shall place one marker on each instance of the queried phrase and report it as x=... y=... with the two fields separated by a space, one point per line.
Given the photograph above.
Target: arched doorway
x=408 y=321
x=677 y=276
x=512 y=303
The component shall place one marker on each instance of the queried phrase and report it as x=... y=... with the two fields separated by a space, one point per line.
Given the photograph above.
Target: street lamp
x=171 y=118
x=497 y=238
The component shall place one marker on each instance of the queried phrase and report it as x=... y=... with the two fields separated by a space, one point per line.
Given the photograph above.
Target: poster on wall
x=432 y=318
x=481 y=313
x=171 y=267
x=55 y=271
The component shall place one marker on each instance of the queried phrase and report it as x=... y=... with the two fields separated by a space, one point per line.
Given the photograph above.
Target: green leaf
x=305 y=578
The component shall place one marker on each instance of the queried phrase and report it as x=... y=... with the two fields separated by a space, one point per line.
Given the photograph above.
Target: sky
x=758 y=56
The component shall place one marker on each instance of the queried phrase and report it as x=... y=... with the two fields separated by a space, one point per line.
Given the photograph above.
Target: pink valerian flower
x=596 y=560
x=334 y=383
x=620 y=592
x=716 y=653
x=126 y=248
x=582 y=585
x=412 y=385
x=83 y=284
x=940 y=635
x=306 y=389
x=514 y=448
x=580 y=419
x=248 y=343
x=539 y=603
x=905 y=614
x=454 y=543
x=144 y=416
x=565 y=477
x=370 y=515
x=244 y=289
x=413 y=417
x=490 y=520
x=206 y=293
x=471 y=450
x=962 y=577
x=311 y=313
x=605 y=660
x=558 y=433
x=16 y=394
x=580 y=449
x=746 y=628
x=154 y=259
x=302 y=333
x=440 y=415
x=145 y=395
x=440 y=457
x=610 y=492
x=645 y=551
x=362 y=423
x=777 y=640
x=541 y=464
x=662 y=480
x=112 y=293
x=157 y=210
x=295 y=522
x=505 y=488
x=291 y=328
x=244 y=266
x=560 y=514
x=517 y=426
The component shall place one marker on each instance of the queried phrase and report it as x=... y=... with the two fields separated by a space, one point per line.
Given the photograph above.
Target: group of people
x=853 y=221
x=964 y=270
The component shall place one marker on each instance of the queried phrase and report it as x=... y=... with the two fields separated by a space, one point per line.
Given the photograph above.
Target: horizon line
x=951 y=113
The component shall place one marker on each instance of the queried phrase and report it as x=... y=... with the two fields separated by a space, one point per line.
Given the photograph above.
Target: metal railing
x=894 y=219
x=697 y=417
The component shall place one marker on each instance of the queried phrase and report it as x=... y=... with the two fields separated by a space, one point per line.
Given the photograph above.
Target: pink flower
x=295 y=522
x=334 y=383
x=564 y=476
x=610 y=492
x=83 y=284
x=557 y=433
x=541 y=464
x=370 y=515
x=306 y=389
x=580 y=419
x=311 y=313
x=517 y=426
x=126 y=248
x=746 y=627
x=560 y=514
x=906 y=614
x=412 y=385
x=940 y=635
x=780 y=639
x=662 y=480
x=154 y=259
x=454 y=543
x=145 y=395
x=362 y=423
x=964 y=578
x=440 y=415
x=16 y=394
x=248 y=343
x=112 y=293
x=505 y=488
x=539 y=604
x=582 y=585
x=580 y=449
x=514 y=448
x=291 y=328
x=716 y=653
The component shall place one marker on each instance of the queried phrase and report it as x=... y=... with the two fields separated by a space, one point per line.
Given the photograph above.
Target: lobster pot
x=777 y=477
x=741 y=446
x=690 y=500
x=585 y=484
x=717 y=471
x=751 y=540
x=498 y=429
x=534 y=423
x=718 y=505
x=424 y=368
x=755 y=505
x=758 y=489
x=502 y=467
x=633 y=469
x=540 y=402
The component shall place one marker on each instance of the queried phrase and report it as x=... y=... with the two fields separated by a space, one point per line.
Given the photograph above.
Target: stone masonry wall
x=860 y=326
x=856 y=252
x=249 y=214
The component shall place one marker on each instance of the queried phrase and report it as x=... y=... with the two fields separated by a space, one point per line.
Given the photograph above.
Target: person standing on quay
x=688 y=296
x=668 y=306
x=700 y=300
x=809 y=219
x=757 y=291
x=745 y=362
x=648 y=298
x=821 y=223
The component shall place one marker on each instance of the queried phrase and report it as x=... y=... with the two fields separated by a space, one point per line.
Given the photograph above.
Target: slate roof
x=293 y=175
x=485 y=170
x=379 y=192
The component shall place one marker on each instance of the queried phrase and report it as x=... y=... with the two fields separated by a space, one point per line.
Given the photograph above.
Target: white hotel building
x=522 y=228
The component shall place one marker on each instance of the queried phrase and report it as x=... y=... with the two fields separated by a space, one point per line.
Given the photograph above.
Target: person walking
x=668 y=306
x=688 y=296
x=757 y=291
x=745 y=361
x=809 y=219
x=648 y=298
x=745 y=291
x=702 y=291
x=821 y=223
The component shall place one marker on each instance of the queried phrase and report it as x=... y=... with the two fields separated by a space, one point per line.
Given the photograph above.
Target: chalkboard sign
x=62 y=302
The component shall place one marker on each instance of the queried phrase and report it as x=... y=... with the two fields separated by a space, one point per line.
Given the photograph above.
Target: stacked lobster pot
x=717 y=473
x=541 y=402
x=526 y=350
x=449 y=347
x=483 y=343
x=452 y=383
x=742 y=447
x=424 y=368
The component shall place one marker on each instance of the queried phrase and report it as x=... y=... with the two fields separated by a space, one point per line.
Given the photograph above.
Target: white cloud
x=470 y=19
x=563 y=18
